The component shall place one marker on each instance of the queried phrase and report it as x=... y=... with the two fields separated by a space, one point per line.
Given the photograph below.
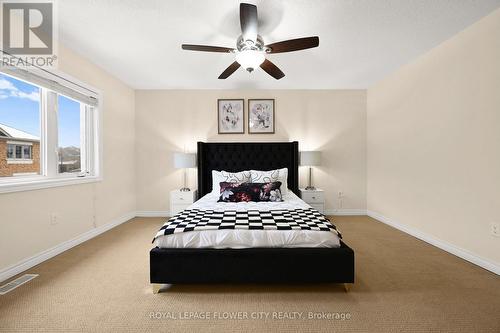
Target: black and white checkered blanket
x=296 y=219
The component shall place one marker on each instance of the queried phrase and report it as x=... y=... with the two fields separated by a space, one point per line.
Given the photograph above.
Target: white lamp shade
x=184 y=160
x=309 y=158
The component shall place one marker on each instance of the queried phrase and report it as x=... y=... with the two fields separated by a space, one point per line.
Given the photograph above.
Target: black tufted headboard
x=239 y=156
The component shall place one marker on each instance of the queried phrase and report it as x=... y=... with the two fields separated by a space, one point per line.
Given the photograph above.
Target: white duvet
x=240 y=238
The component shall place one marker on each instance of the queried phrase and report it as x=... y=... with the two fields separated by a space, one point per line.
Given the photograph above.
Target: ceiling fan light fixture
x=250 y=59
x=250 y=51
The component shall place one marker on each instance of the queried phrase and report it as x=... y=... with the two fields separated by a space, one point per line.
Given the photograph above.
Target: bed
x=188 y=260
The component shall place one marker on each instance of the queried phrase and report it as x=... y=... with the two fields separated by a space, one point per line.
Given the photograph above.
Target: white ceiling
x=361 y=41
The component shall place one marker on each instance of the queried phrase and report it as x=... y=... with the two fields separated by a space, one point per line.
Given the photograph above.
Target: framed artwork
x=231 y=116
x=261 y=116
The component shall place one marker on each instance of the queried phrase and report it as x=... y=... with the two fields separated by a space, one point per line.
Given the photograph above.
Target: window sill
x=19 y=161
x=43 y=183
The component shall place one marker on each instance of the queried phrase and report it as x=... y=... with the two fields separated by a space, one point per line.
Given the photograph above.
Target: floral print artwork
x=231 y=116
x=261 y=116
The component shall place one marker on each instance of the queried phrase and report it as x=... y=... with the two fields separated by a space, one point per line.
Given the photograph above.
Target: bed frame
x=253 y=265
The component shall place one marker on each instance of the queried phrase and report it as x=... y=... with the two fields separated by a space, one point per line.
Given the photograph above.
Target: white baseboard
x=54 y=251
x=152 y=213
x=443 y=245
x=345 y=212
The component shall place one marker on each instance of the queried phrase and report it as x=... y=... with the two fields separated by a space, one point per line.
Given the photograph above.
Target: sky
x=20 y=108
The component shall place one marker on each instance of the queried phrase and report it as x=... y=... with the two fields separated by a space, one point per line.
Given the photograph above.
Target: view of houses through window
x=20 y=130
x=19 y=127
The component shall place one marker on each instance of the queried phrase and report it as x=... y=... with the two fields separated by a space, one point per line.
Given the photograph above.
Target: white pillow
x=229 y=177
x=278 y=175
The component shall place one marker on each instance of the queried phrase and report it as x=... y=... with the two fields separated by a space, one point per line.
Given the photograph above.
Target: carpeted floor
x=402 y=284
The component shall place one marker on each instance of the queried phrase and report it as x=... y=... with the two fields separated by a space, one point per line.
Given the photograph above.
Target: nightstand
x=180 y=200
x=315 y=198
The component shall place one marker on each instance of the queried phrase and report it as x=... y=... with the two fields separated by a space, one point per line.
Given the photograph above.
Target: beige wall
x=433 y=142
x=333 y=121
x=25 y=228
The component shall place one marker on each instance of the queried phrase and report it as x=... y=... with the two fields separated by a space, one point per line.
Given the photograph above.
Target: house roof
x=14 y=133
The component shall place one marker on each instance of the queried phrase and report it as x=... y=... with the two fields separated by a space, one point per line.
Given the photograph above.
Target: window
x=27 y=152
x=39 y=116
x=69 y=136
x=10 y=151
x=19 y=152
x=19 y=127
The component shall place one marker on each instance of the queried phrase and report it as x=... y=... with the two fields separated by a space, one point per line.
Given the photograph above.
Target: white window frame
x=23 y=159
x=91 y=149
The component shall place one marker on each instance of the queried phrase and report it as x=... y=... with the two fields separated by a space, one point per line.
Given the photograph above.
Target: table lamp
x=184 y=161
x=310 y=159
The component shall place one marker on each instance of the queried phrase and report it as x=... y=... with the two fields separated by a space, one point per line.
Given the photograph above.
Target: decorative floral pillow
x=244 y=192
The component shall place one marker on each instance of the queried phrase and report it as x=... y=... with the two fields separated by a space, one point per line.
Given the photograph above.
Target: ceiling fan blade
x=206 y=48
x=230 y=70
x=293 y=45
x=272 y=69
x=248 y=21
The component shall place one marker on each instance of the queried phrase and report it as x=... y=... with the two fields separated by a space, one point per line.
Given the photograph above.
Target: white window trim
x=37 y=182
x=40 y=182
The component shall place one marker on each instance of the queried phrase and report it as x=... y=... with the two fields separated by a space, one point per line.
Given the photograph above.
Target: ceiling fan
x=250 y=50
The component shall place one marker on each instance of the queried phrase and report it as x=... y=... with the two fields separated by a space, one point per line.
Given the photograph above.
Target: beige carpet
x=402 y=284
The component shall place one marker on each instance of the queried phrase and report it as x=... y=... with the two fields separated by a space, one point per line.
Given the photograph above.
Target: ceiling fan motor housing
x=257 y=45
